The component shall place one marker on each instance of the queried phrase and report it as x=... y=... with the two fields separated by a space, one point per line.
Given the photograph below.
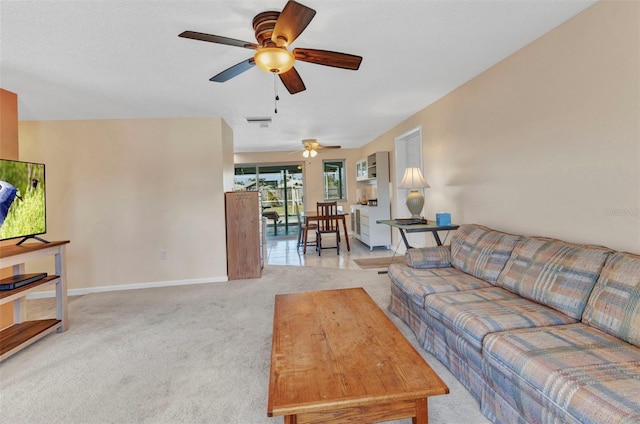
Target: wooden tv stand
x=23 y=333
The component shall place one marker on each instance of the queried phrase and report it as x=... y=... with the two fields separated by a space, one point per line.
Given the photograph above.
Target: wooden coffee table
x=336 y=357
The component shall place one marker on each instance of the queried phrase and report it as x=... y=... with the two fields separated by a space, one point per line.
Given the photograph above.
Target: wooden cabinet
x=244 y=235
x=375 y=188
x=23 y=333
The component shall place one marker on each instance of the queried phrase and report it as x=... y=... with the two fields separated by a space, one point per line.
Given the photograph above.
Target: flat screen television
x=22 y=200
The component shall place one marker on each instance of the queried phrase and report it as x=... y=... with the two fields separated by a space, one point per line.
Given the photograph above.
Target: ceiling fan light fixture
x=274 y=59
x=309 y=152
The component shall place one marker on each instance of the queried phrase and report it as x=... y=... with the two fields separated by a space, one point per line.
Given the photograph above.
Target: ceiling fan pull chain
x=275 y=89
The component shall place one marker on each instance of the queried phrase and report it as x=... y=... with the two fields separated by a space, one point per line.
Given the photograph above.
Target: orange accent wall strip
x=8 y=150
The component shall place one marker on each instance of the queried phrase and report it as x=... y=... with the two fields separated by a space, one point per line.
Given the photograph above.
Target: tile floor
x=283 y=250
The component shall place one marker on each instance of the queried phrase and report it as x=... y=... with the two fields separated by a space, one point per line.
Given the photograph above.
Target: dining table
x=273 y=215
x=312 y=216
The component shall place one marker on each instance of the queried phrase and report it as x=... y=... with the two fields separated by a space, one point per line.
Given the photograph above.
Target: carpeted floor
x=188 y=354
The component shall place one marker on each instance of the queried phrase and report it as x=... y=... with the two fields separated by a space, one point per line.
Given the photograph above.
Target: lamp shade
x=274 y=59
x=413 y=179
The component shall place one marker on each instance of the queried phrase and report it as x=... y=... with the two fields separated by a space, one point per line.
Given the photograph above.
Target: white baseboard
x=135 y=286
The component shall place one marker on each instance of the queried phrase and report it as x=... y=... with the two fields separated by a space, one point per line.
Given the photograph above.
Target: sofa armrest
x=428 y=257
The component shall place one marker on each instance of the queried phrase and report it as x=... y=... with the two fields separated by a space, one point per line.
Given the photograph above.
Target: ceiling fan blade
x=327 y=58
x=293 y=19
x=218 y=39
x=234 y=71
x=328 y=147
x=291 y=79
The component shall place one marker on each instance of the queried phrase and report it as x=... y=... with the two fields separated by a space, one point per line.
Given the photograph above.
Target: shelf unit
x=372 y=166
x=23 y=333
x=374 y=180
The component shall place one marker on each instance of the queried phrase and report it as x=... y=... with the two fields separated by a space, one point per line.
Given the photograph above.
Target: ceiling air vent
x=260 y=120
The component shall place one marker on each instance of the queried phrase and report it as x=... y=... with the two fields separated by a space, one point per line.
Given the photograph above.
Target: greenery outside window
x=333 y=180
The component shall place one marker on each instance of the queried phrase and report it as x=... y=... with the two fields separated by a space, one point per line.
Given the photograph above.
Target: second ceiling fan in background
x=275 y=31
x=311 y=147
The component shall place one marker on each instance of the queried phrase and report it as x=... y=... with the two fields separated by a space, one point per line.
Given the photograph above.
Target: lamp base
x=415 y=202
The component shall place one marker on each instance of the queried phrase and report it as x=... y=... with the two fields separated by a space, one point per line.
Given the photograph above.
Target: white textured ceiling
x=116 y=59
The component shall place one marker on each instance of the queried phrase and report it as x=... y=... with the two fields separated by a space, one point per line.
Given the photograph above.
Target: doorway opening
x=281 y=193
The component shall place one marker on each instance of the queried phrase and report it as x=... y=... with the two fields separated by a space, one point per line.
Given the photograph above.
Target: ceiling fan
x=275 y=31
x=311 y=147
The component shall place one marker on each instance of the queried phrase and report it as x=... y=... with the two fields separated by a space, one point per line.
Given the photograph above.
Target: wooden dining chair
x=328 y=223
x=304 y=226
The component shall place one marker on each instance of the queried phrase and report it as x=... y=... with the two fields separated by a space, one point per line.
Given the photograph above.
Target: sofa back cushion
x=555 y=273
x=480 y=251
x=614 y=304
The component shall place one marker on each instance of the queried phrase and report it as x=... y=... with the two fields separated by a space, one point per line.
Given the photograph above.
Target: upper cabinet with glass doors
x=361 y=170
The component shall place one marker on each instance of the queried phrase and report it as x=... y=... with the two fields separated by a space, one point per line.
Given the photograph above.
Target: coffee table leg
x=290 y=419
x=422 y=412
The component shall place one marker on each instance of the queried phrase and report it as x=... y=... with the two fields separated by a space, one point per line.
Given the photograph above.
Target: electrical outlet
x=163 y=255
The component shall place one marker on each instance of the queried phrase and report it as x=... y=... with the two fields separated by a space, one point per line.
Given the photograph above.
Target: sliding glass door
x=281 y=188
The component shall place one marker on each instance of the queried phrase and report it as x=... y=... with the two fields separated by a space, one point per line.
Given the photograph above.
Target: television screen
x=22 y=199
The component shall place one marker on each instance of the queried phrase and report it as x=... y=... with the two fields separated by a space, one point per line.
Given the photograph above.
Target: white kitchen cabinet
x=373 y=186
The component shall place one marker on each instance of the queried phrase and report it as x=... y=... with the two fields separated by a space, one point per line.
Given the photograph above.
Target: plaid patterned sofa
x=538 y=330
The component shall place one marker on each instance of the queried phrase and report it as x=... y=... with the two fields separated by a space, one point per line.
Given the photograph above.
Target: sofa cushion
x=475 y=313
x=547 y=373
x=614 y=305
x=419 y=283
x=480 y=251
x=555 y=273
x=428 y=257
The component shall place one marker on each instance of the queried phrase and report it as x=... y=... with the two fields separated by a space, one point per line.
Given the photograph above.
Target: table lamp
x=413 y=180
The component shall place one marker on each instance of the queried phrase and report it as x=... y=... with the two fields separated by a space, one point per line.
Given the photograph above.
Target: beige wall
x=124 y=191
x=227 y=152
x=547 y=142
x=312 y=170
